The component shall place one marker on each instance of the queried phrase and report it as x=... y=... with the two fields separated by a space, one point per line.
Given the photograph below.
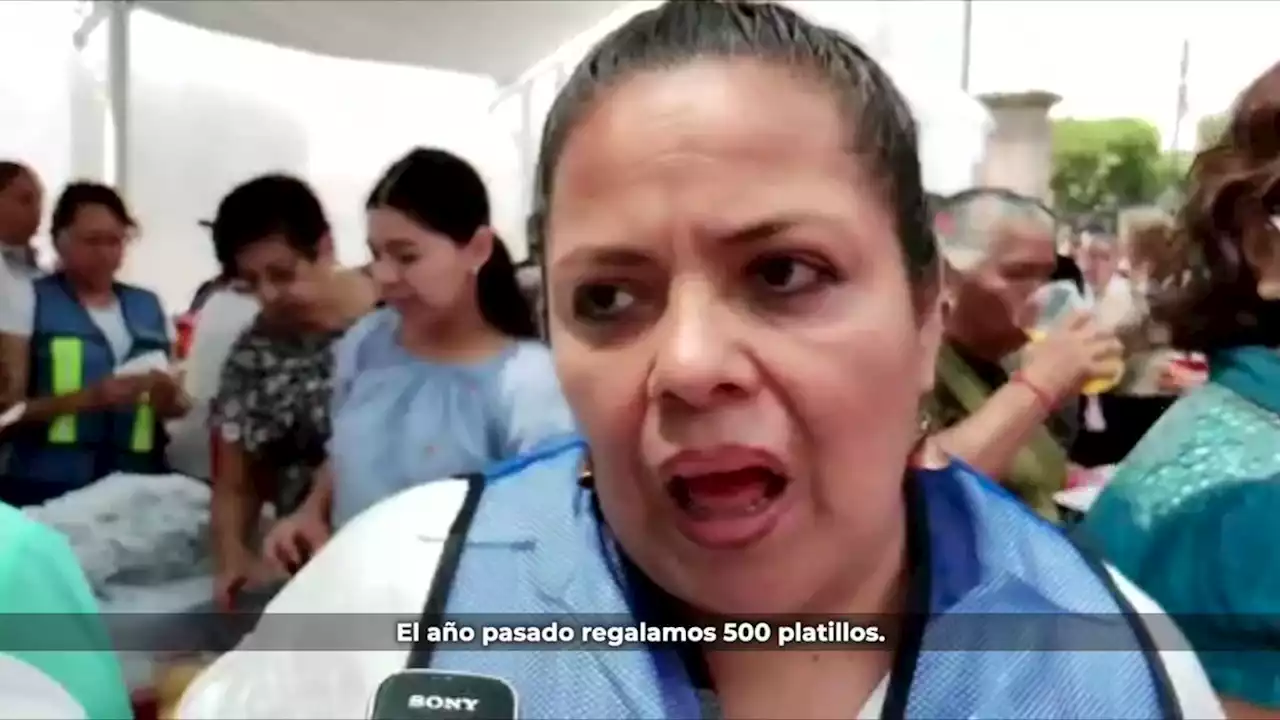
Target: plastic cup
x=1056 y=301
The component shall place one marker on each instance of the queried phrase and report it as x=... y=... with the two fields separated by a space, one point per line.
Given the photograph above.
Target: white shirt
x=219 y=323
x=1117 y=304
x=27 y=693
x=381 y=564
x=18 y=316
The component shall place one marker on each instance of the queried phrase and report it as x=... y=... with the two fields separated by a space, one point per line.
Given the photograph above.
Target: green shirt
x=1040 y=468
x=41 y=576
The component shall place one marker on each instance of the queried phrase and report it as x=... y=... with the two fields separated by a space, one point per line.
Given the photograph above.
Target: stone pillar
x=1020 y=146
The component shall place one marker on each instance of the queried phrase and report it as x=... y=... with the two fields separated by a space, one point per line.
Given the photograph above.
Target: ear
x=477 y=251
x=929 y=340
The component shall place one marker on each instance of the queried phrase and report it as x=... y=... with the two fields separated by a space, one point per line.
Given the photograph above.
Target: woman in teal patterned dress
x=1191 y=514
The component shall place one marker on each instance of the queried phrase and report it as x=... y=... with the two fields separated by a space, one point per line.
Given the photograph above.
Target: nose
x=383 y=274
x=701 y=358
x=268 y=293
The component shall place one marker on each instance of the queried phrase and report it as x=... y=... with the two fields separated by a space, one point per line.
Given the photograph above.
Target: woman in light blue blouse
x=450 y=376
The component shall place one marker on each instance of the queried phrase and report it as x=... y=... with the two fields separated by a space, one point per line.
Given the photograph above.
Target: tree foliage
x=1105 y=165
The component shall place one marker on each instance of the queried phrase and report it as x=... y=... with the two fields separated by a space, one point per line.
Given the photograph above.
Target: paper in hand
x=12 y=415
x=145 y=363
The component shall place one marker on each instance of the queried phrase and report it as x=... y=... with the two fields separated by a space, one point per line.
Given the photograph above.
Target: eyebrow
x=626 y=258
x=619 y=258
x=757 y=232
x=397 y=243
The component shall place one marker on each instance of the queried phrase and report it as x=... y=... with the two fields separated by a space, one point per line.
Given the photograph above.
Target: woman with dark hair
x=743 y=309
x=450 y=377
x=20 y=201
x=270 y=414
x=66 y=334
x=1201 y=475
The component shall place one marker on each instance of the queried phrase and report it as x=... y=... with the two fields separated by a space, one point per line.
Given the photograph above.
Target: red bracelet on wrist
x=1043 y=397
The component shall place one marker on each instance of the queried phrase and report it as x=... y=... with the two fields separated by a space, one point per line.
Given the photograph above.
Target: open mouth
x=726 y=495
x=727 y=507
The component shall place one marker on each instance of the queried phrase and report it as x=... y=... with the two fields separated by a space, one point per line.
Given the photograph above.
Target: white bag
x=135 y=530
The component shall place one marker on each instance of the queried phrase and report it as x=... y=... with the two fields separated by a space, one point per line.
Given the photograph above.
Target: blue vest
x=68 y=354
x=1006 y=620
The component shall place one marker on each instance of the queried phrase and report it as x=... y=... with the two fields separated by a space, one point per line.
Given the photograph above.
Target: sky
x=1122 y=58
x=1105 y=58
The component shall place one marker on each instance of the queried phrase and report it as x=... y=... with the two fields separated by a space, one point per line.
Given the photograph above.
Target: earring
x=586 y=479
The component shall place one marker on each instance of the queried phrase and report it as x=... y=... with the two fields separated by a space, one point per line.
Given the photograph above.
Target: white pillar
x=1020 y=147
x=118 y=79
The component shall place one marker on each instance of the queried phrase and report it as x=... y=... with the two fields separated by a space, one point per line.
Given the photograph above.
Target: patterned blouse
x=274 y=401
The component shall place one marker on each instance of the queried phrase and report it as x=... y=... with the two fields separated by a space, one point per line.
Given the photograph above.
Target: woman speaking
x=742 y=307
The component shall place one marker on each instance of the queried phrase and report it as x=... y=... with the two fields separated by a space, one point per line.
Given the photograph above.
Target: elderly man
x=999 y=250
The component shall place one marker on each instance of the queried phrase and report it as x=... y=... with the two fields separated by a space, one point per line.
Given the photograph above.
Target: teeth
x=689 y=506
x=684 y=498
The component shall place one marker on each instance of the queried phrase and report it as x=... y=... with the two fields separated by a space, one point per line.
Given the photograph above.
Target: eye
x=601 y=302
x=786 y=275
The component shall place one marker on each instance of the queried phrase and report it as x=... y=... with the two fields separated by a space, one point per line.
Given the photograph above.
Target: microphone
x=438 y=695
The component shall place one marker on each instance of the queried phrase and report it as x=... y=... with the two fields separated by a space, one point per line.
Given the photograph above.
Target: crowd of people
x=764 y=374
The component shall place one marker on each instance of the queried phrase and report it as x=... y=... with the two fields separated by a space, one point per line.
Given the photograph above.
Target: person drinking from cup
x=999 y=252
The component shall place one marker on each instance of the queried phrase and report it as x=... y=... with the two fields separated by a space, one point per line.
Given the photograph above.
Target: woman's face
x=1099 y=261
x=20 y=207
x=733 y=326
x=92 y=246
x=286 y=283
x=421 y=272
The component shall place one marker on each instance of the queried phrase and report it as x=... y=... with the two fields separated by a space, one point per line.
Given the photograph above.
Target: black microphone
x=438 y=695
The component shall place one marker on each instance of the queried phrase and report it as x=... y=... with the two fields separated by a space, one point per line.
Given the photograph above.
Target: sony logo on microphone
x=440 y=702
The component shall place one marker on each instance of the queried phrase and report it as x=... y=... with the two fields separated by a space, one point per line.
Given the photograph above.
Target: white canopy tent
x=500 y=40
x=525 y=48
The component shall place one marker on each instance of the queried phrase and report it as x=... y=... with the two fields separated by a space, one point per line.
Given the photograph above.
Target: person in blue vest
x=742 y=296
x=76 y=420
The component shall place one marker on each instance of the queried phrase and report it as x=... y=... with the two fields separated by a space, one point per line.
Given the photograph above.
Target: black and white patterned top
x=273 y=399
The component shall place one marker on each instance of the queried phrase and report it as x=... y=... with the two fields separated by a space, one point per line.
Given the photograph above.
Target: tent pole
x=966 y=47
x=527 y=151
x=118 y=77
x=89 y=22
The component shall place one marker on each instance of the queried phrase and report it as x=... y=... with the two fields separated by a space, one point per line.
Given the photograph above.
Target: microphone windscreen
x=438 y=695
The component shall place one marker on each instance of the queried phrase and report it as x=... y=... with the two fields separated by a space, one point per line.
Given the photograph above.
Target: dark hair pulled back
x=268 y=205
x=1234 y=193
x=82 y=194
x=883 y=131
x=443 y=193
